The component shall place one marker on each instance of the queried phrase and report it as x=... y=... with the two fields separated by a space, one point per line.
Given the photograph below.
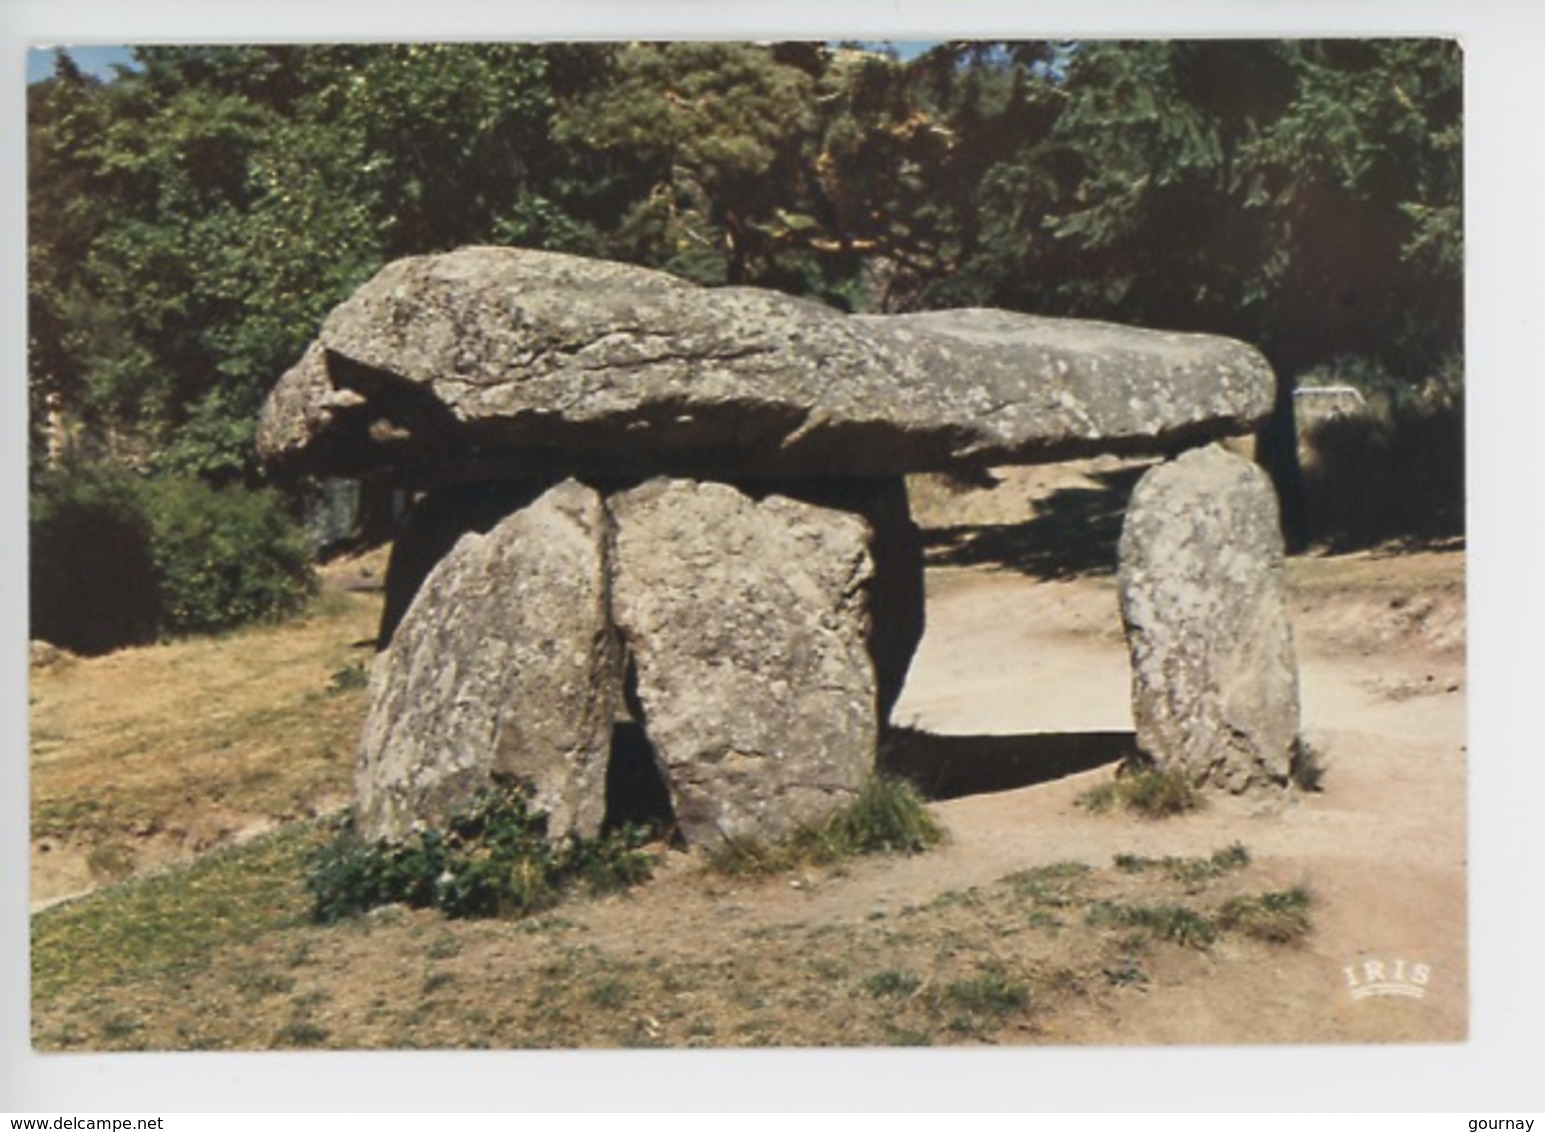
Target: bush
x=119 y=559
x=93 y=580
x=223 y=557
x=492 y=859
x=1394 y=469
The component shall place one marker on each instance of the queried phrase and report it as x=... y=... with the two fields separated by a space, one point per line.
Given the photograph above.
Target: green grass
x=1188 y=870
x=991 y=992
x=1050 y=886
x=492 y=858
x=171 y=923
x=1177 y=923
x=224 y=955
x=1276 y=917
x=887 y=816
x=891 y=983
x=1147 y=792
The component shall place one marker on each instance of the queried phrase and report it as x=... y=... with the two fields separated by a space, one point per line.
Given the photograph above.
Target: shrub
x=223 y=557
x=119 y=559
x=1393 y=470
x=93 y=579
x=493 y=858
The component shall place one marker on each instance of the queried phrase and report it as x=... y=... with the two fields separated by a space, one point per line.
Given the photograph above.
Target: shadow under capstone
x=952 y=766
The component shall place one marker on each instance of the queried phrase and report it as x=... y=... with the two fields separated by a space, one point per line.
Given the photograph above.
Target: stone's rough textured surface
x=502 y=363
x=896 y=612
x=1214 y=680
x=747 y=627
x=505 y=664
x=432 y=527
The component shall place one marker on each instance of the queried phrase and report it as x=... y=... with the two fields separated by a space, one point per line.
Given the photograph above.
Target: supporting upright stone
x=505 y=664
x=747 y=624
x=434 y=525
x=896 y=596
x=1214 y=680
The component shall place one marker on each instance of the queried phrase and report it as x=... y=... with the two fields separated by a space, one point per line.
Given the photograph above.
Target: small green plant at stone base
x=1143 y=789
x=1306 y=769
x=492 y=859
x=887 y=816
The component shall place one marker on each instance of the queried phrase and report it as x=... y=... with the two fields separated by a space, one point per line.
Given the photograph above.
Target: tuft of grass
x=1127 y=972
x=892 y=984
x=609 y=993
x=1148 y=792
x=1174 y=922
x=300 y=1033
x=887 y=816
x=1050 y=886
x=1276 y=917
x=350 y=678
x=991 y=992
x=1188 y=870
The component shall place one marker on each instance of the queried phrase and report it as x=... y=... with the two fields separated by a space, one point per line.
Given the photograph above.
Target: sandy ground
x=1382 y=847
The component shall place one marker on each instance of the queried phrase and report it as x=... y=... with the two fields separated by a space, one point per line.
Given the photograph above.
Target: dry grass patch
x=193 y=740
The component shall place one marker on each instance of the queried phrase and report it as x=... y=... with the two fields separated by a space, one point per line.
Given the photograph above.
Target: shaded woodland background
x=192 y=221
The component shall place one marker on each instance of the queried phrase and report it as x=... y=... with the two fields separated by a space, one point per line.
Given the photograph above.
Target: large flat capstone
x=488 y=363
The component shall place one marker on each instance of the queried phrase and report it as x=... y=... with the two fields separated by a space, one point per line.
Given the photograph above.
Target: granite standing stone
x=747 y=624
x=1214 y=680
x=505 y=664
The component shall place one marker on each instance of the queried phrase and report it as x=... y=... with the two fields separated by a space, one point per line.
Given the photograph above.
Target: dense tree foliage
x=193 y=220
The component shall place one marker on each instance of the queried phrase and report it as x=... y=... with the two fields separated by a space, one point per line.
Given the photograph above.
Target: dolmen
x=638 y=498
